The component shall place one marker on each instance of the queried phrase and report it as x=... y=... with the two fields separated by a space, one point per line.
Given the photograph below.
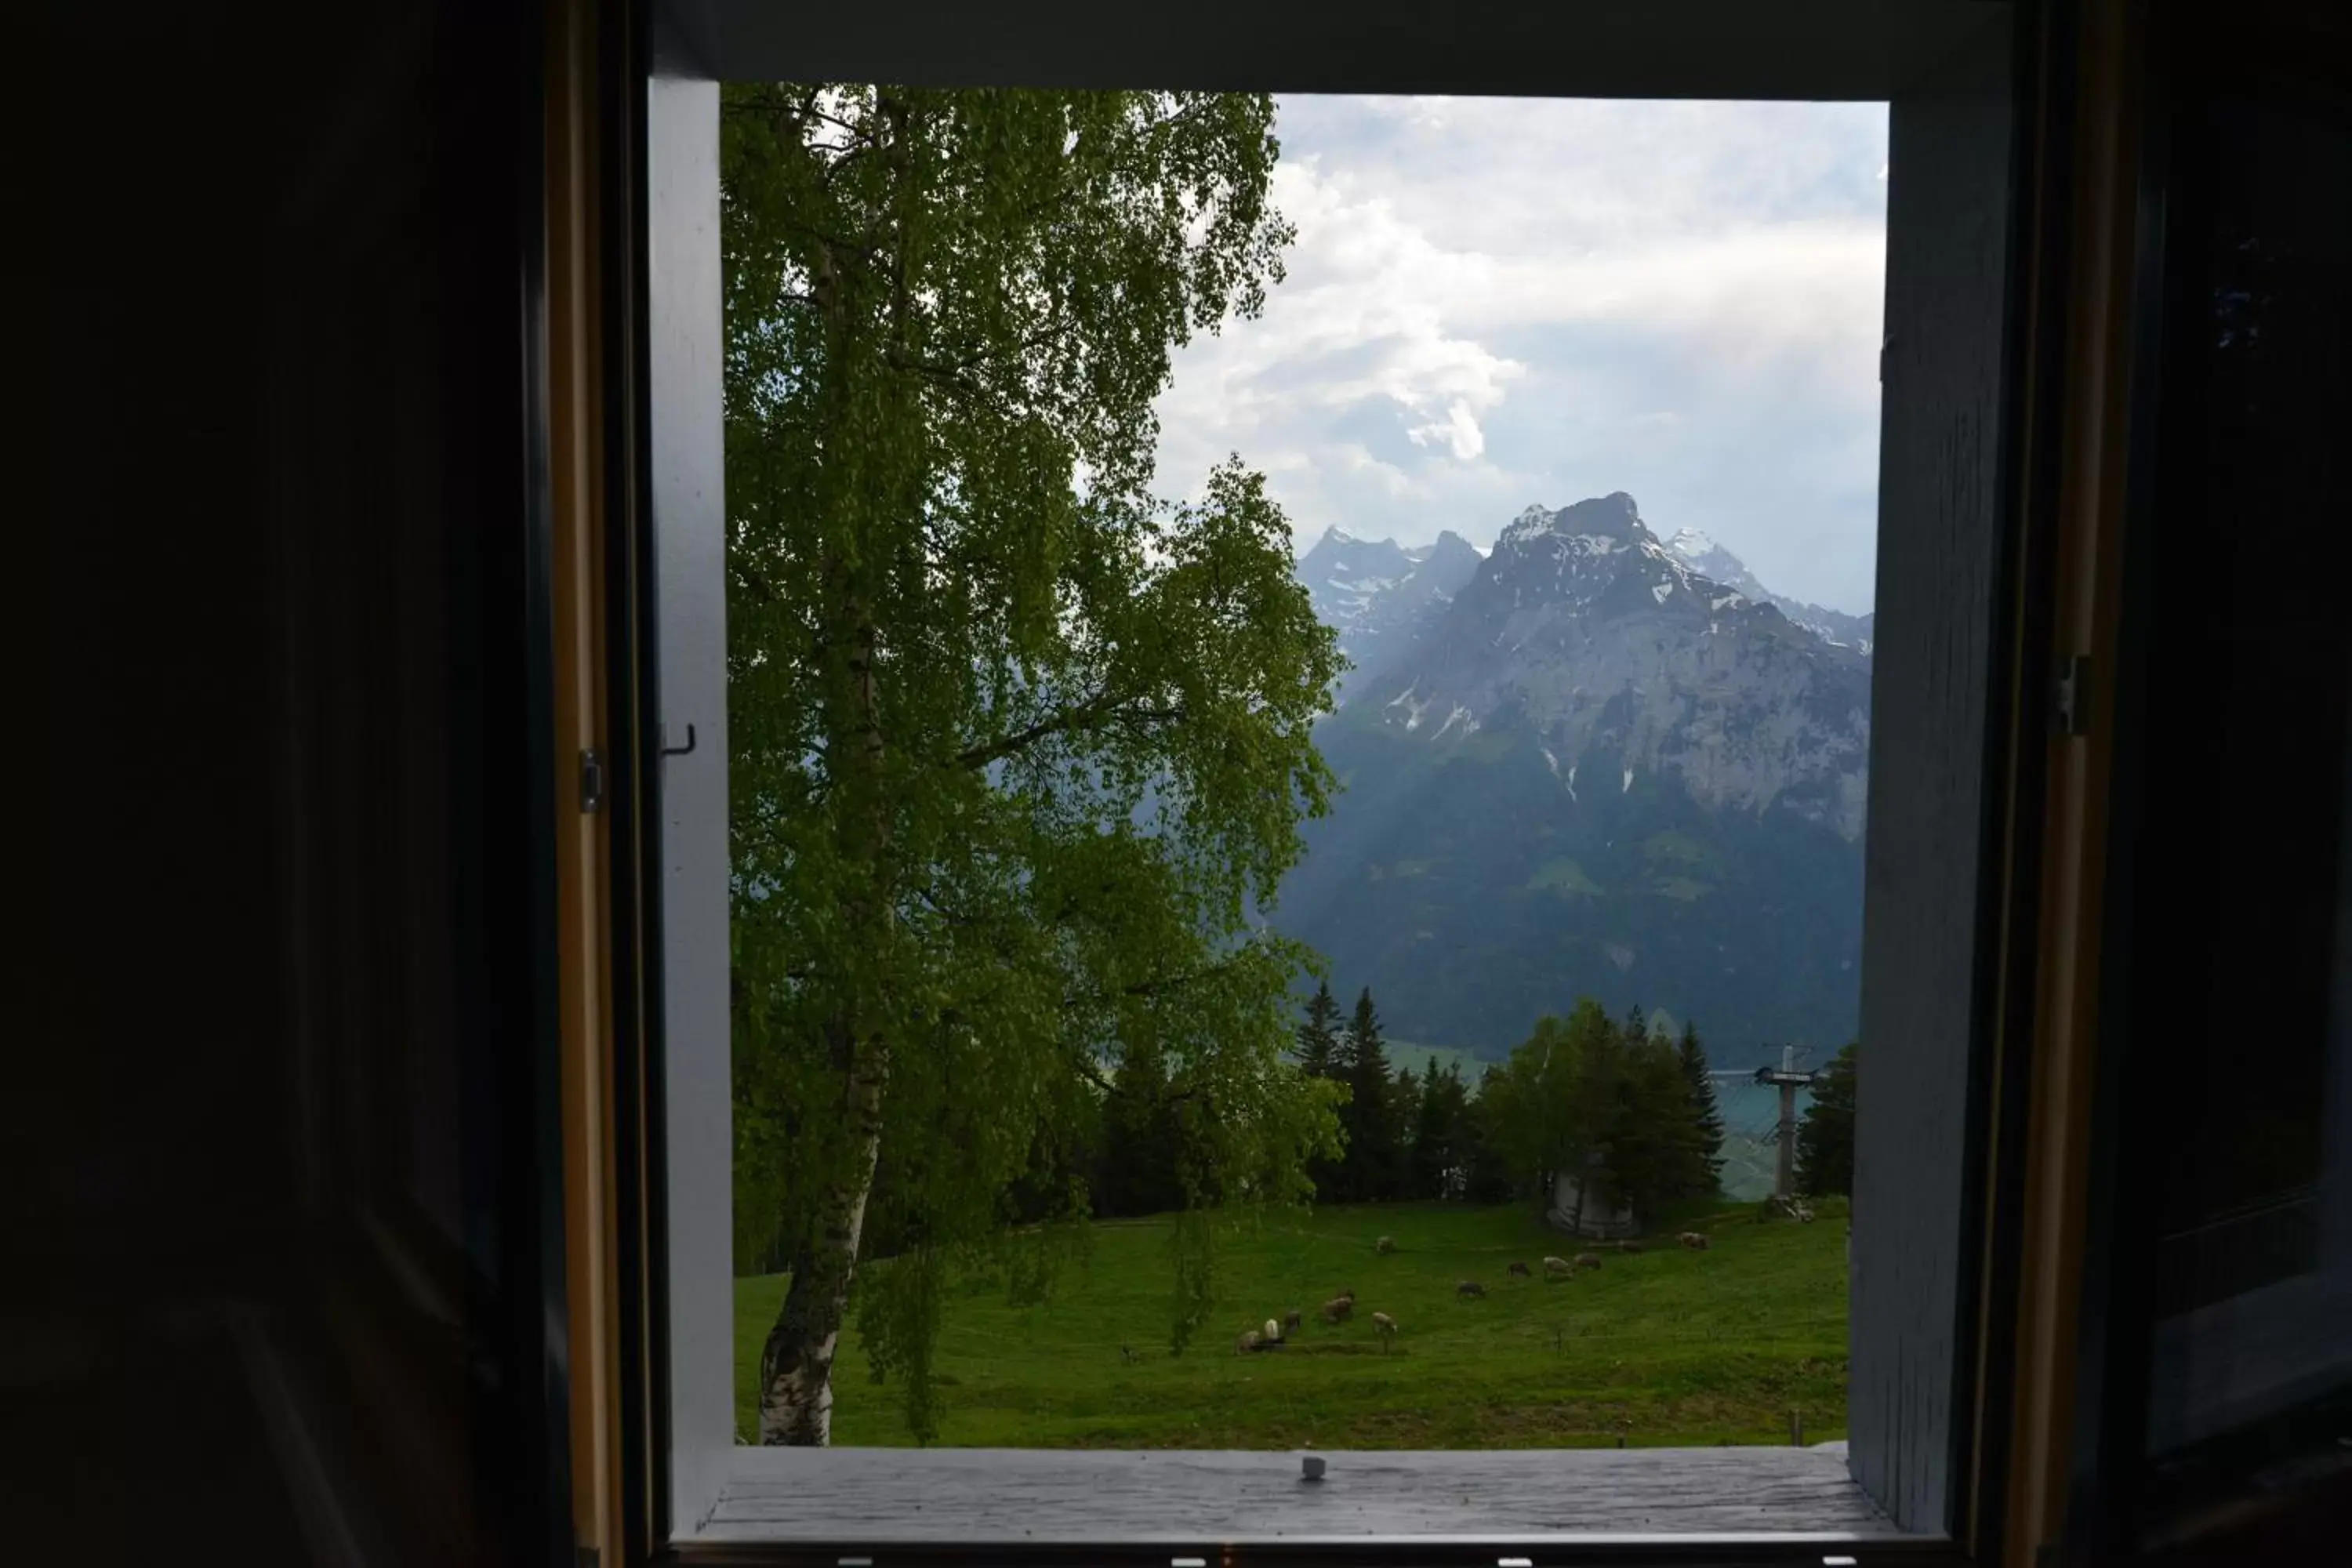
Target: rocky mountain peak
x=1612 y=516
x=1590 y=764
x=1378 y=594
x=1344 y=574
x=1449 y=543
x=1703 y=554
x=1587 y=631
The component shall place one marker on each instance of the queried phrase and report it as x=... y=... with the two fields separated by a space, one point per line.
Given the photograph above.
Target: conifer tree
x=1825 y=1136
x=1653 y=1143
x=1319 y=1050
x=1403 y=1120
x=1442 y=1135
x=1428 y=1137
x=1604 y=1101
x=1479 y=1152
x=1707 y=1115
x=1142 y=1140
x=1319 y=1037
x=1365 y=1121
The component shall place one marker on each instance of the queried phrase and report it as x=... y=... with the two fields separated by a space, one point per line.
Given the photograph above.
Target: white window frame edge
x=1907 y=1429
x=687 y=458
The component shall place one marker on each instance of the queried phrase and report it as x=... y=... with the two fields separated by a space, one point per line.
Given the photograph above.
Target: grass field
x=1666 y=1346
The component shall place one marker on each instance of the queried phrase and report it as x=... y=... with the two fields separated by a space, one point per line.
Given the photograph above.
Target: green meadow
x=1665 y=1346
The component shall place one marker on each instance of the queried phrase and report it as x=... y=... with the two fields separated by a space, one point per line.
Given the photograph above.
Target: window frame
x=1925 y=1443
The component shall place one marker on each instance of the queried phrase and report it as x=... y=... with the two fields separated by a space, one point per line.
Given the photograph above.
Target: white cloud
x=1497 y=299
x=1458 y=432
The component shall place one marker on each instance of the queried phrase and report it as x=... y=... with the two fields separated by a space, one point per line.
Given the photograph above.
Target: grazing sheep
x=1273 y=1333
x=1519 y=1271
x=1247 y=1342
x=1385 y=1246
x=1588 y=1260
x=1290 y=1321
x=1557 y=1267
x=1127 y=1354
x=1338 y=1307
x=1386 y=1327
x=1628 y=1246
x=1697 y=1241
x=1470 y=1287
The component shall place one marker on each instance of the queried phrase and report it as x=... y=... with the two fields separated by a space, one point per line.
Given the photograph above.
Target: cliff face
x=1379 y=596
x=1584 y=631
x=1709 y=559
x=1592 y=769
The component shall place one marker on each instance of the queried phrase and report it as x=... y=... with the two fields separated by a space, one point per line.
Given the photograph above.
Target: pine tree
x=1429 y=1137
x=1707 y=1116
x=1606 y=1102
x=1479 y=1151
x=1825 y=1136
x=1142 y=1139
x=1654 y=1145
x=1404 y=1118
x=1444 y=1137
x=1319 y=1037
x=1364 y=1064
x=1320 y=1051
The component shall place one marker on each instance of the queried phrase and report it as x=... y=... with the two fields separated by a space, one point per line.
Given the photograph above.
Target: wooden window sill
x=880 y=1496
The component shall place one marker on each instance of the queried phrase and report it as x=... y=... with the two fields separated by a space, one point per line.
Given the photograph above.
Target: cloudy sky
x=1498 y=302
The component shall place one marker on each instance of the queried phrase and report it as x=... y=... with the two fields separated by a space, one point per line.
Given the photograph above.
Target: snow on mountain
x=1706 y=555
x=1585 y=628
x=1746 y=695
x=1477 y=867
x=1377 y=594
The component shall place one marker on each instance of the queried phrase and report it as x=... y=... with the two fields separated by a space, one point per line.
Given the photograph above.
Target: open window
x=1941 y=689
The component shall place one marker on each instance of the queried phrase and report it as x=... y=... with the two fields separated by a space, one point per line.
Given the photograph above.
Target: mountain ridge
x=1378 y=594
x=1703 y=554
x=1592 y=768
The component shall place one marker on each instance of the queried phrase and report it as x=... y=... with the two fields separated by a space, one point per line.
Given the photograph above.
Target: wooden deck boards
x=880 y=1495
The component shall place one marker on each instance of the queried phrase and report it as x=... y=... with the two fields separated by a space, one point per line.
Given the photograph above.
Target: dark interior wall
x=2216 y=1328
x=1816 y=49
x=277 y=1197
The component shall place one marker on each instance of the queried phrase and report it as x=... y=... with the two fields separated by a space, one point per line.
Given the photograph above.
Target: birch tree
x=1019 y=753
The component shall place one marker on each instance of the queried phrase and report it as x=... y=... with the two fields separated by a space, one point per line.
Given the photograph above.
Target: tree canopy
x=1707 y=1115
x=1606 y=1102
x=1825 y=1136
x=1368 y=1120
x=1319 y=1033
x=1015 y=747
